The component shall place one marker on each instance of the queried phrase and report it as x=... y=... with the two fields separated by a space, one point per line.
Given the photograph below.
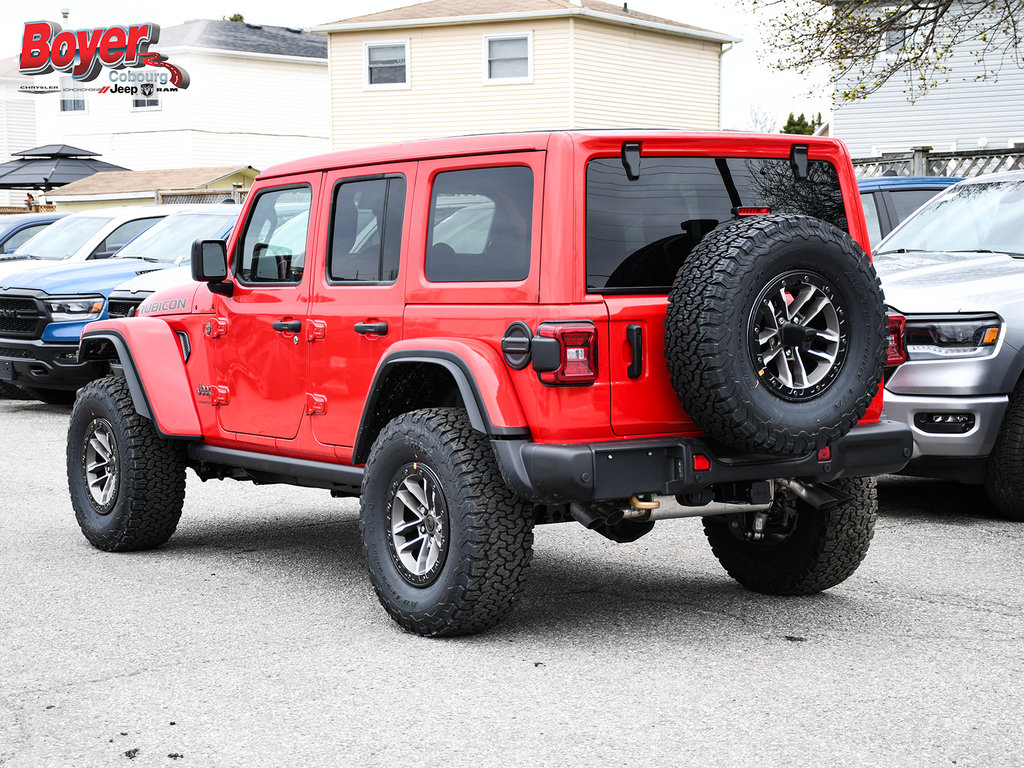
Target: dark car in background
x=16 y=228
x=888 y=200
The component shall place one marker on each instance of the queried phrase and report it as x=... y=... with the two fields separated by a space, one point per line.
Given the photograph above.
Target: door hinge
x=217 y=327
x=315 y=330
x=315 y=404
x=219 y=395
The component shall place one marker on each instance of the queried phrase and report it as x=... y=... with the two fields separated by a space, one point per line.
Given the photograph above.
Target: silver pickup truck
x=955 y=270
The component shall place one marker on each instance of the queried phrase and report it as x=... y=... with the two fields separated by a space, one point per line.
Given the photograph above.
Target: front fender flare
x=150 y=355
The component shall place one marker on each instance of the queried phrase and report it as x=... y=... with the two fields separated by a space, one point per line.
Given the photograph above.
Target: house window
x=894 y=40
x=508 y=57
x=70 y=99
x=387 y=63
x=146 y=101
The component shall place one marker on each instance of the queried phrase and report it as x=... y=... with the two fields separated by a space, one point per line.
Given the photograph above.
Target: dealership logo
x=45 y=48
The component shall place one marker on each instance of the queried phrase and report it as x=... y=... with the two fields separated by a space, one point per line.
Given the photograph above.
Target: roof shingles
x=445 y=9
x=113 y=182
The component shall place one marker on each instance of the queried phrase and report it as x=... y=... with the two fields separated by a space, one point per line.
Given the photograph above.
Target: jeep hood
x=80 y=277
x=156 y=281
x=923 y=282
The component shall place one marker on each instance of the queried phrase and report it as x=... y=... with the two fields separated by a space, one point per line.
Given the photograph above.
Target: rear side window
x=120 y=236
x=21 y=236
x=481 y=223
x=639 y=232
x=906 y=201
x=274 y=243
x=366 y=231
x=871 y=215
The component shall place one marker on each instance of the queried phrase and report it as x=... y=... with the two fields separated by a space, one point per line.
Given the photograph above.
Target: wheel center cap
x=430 y=524
x=794 y=335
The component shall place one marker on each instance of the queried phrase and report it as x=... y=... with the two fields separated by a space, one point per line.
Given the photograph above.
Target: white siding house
x=963 y=114
x=17 y=120
x=451 y=67
x=257 y=96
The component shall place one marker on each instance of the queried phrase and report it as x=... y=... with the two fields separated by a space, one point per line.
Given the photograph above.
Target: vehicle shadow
x=574 y=587
x=926 y=499
x=35 y=406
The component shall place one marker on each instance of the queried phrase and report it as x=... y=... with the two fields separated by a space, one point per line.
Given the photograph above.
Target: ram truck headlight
x=77 y=308
x=952 y=337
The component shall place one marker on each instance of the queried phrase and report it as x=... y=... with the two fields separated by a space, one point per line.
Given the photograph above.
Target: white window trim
x=367 y=85
x=488 y=80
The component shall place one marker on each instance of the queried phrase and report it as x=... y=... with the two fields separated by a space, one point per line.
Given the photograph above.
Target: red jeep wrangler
x=480 y=334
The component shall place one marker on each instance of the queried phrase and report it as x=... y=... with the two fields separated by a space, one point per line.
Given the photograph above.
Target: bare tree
x=867 y=42
x=762 y=120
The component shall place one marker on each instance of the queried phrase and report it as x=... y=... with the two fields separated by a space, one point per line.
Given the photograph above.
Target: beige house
x=178 y=185
x=451 y=67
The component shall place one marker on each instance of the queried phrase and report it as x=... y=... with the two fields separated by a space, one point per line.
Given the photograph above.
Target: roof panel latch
x=631 y=159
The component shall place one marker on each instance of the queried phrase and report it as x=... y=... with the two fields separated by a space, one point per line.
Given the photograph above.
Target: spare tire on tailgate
x=775 y=335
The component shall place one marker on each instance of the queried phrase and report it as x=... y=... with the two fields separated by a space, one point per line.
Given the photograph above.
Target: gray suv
x=955 y=270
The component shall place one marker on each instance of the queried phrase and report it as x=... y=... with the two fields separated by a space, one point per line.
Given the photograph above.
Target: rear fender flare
x=479 y=374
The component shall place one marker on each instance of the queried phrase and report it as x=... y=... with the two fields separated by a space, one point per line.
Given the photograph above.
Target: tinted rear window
x=639 y=232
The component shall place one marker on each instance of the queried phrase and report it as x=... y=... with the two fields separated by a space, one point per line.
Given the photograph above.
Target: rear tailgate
x=643 y=402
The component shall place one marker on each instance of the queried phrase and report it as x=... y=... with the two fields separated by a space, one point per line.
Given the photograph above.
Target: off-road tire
x=147 y=471
x=489 y=537
x=716 y=363
x=52 y=396
x=10 y=391
x=1004 y=473
x=824 y=548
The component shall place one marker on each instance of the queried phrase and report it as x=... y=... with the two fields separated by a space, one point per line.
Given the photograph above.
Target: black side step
x=266 y=468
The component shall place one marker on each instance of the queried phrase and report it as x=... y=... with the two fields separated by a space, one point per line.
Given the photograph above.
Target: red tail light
x=752 y=210
x=573 y=361
x=897 y=354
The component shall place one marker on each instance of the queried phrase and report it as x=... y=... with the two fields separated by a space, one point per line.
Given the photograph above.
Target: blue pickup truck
x=47 y=308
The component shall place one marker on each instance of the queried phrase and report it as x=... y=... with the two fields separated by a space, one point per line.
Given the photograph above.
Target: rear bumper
x=558 y=474
x=35 y=363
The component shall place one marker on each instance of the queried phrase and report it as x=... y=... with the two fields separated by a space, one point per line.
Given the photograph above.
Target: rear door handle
x=379 y=329
x=287 y=326
x=635 y=337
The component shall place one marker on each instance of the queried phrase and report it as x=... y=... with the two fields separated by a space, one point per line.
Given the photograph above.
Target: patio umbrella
x=53 y=165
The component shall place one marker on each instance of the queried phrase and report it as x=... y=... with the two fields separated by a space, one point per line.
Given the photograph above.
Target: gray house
x=960 y=116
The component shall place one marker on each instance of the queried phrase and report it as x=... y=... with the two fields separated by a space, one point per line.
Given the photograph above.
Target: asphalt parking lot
x=253 y=639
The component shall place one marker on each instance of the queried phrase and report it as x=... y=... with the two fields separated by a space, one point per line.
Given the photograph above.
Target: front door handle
x=287 y=326
x=378 y=329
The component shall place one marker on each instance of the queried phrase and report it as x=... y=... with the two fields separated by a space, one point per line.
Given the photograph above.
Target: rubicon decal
x=45 y=47
x=168 y=305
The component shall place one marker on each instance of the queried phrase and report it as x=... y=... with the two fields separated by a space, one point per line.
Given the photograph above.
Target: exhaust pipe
x=818 y=496
x=592 y=516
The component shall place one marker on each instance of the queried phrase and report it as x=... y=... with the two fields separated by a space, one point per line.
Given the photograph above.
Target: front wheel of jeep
x=127 y=483
x=800 y=550
x=447 y=544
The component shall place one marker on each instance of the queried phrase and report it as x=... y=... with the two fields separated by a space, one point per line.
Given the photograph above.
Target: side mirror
x=210 y=265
